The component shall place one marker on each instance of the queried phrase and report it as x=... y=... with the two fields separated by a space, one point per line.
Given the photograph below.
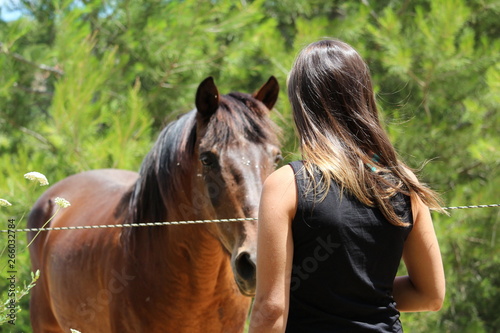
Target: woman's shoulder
x=280 y=176
x=279 y=192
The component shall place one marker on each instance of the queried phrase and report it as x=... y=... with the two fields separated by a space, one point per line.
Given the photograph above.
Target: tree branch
x=20 y=58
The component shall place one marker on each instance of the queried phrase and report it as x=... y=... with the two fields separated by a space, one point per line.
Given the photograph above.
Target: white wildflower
x=62 y=202
x=5 y=203
x=74 y=331
x=37 y=176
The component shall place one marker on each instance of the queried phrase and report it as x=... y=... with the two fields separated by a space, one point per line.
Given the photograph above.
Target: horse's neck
x=189 y=253
x=185 y=263
x=186 y=254
x=200 y=254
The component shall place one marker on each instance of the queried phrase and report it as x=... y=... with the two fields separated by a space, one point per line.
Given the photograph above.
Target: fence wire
x=156 y=224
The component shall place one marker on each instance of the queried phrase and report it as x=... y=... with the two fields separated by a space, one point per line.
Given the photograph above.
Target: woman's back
x=327 y=263
x=346 y=256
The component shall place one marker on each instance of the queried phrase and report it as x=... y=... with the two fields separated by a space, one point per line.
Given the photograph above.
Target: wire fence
x=156 y=224
x=474 y=206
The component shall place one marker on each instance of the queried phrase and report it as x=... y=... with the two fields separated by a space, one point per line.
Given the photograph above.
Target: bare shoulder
x=280 y=177
x=279 y=192
x=417 y=206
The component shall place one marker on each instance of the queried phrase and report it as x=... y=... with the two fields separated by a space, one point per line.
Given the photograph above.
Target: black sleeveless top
x=346 y=256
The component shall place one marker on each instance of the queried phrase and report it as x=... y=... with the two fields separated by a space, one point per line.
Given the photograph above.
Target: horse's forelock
x=241 y=113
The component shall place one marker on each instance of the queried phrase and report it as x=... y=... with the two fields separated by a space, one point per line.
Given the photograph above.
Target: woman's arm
x=274 y=252
x=424 y=287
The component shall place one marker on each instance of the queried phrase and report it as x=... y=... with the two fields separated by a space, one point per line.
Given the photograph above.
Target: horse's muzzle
x=244 y=272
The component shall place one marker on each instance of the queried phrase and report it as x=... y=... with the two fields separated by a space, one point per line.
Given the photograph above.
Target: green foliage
x=444 y=75
x=87 y=85
x=5 y=310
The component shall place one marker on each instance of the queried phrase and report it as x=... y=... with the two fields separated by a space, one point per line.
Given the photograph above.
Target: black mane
x=157 y=175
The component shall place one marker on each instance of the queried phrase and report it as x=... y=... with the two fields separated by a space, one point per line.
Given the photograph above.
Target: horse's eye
x=208 y=159
x=277 y=159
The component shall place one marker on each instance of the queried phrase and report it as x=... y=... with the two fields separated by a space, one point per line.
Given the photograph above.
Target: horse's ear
x=268 y=93
x=207 y=98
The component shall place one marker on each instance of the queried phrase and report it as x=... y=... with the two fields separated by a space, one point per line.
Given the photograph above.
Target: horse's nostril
x=245 y=266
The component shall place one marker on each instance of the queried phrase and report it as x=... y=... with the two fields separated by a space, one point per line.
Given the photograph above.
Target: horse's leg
x=41 y=314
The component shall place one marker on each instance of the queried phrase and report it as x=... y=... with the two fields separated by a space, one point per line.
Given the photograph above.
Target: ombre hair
x=340 y=133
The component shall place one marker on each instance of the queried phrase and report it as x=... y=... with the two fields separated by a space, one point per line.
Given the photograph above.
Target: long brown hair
x=338 y=124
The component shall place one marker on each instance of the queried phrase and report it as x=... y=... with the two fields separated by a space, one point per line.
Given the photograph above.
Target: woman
x=334 y=227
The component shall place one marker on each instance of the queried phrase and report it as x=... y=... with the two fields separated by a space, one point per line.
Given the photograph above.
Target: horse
x=208 y=164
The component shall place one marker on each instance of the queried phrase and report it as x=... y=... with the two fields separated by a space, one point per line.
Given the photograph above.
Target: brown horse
x=208 y=164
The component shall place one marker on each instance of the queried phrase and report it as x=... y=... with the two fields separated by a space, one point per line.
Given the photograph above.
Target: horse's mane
x=171 y=158
x=160 y=170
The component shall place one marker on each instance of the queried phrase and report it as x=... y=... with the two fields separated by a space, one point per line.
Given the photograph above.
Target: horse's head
x=236 y=148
